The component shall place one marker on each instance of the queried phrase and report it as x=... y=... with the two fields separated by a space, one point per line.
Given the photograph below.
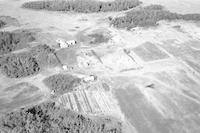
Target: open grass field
x=150 y=52
x=19 y=95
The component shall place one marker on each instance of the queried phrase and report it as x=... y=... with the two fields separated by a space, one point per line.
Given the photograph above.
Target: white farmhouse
x=65 y=44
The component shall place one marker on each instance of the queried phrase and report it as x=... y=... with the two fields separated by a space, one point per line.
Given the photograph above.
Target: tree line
x=49 y=118
x=82 y=6
x=149 y=16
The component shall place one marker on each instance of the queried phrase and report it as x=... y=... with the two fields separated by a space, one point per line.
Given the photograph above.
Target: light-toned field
x=151 y=76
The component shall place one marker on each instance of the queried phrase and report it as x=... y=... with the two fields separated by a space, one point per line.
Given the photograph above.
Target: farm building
x=65 y=44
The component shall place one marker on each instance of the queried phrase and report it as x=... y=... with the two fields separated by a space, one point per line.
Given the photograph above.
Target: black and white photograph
x=99 y=66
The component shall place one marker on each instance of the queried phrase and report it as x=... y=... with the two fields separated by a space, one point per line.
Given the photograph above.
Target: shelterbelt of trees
x=149 y=16
x=49 y=118
x=82 y=6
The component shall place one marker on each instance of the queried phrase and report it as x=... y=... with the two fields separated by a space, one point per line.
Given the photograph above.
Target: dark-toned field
x=62 y=83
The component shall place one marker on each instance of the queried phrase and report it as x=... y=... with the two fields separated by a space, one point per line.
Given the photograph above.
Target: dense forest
x=49 y=118
x=83 y=6
x=19 y=65
x=30 y=62
x=149 y=16
x=61 y=83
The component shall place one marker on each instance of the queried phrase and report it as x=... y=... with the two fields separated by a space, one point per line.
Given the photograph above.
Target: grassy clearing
x=24 y=87
x=149 y=16
x=82 y=6
x=67 y=56
x=49 y=118
x=61 y=83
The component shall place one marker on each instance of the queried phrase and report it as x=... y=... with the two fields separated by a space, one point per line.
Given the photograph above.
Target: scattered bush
x=149 y=16
x=83 y=6
x=19 y=65
x=13 y=41
x=49 y=118
x=61 y=83
x=2 y=23
x=44 y=55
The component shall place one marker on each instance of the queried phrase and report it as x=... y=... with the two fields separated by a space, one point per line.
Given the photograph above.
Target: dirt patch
x=86 y=6
x=61 y=83
x=47 y=117
x=11 y=41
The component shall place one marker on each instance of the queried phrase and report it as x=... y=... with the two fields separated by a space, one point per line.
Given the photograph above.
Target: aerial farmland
x=99 y=66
